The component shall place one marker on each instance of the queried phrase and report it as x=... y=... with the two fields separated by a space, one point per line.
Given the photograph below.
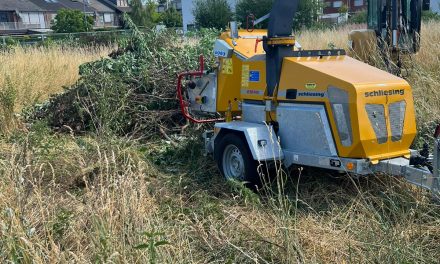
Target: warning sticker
x=227 y=68
x=245 y=76
x=254 y=76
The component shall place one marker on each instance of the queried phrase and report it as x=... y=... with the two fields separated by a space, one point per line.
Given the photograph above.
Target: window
x=337 y=4
x=358 y=2
x=3 y=17
x=34 y=18
x=122 y=3
x=108 y=18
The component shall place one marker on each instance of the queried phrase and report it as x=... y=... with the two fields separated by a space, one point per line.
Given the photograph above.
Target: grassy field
x=106 y=199
x=36 y=73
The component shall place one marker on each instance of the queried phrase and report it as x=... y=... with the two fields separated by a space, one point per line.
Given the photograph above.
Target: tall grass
x=84 y=199
x=37 y=72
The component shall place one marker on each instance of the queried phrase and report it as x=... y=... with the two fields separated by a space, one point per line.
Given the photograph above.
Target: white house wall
x=187 y=12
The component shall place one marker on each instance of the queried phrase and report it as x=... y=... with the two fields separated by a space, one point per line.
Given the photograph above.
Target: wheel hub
x=233 y=163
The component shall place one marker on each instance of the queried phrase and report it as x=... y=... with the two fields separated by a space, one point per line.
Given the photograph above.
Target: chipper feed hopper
x=272 y=101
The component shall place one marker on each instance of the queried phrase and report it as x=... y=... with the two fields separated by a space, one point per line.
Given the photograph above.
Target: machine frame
x=295 y=120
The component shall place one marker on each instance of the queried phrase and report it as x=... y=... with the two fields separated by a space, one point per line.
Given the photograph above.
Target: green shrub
x=429 y=15
x=212 y=13
x=358 y=18
x=171 y=18
x=258 y=8
x=69 y=21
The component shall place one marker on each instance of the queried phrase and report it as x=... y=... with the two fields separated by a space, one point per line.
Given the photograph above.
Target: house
x=20 y=15
x=176 y=4
x=188 y=15
x=105 y=16
x=435 y=6
x=337 y=11
x=122 y=6
x=51 y=8
x=119 y=6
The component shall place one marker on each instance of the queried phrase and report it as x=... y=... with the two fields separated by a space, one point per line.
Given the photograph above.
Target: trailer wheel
x=235 y=160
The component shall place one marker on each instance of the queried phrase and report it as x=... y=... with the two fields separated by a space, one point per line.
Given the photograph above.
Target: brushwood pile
x=133 y=91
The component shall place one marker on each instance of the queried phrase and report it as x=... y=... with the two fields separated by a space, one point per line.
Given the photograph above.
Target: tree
x=171 y=18
x=306 y=16
x=212 y=13
x=358 y=18
x=258 y=8
x=143 y=16
x=69 y=21
x=138 y=14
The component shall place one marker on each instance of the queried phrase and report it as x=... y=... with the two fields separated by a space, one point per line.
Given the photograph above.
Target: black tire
x=249 y=165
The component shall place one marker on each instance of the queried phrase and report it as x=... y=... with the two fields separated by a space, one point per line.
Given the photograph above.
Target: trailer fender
x=261 y=138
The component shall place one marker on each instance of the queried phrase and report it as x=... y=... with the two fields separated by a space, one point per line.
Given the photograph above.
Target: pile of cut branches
x=133 y=92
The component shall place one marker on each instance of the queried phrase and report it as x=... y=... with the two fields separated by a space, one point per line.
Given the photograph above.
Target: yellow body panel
x=315 y=76
x=357 y=79
x=236 y=86
x=229 y=83
x=245 y=44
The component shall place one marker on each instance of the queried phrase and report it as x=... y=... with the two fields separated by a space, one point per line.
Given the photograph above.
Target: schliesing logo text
x=385 y=93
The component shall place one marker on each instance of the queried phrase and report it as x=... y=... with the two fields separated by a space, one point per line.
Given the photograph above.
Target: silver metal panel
x=261 y=19
x=397 y=117
x=305 y=129
x=222 y=49
x=376 y=114
x=400 y=167
x=254 y=113
x=254 y=133
x=207 y=89
x=361 y=166
x=233 y=25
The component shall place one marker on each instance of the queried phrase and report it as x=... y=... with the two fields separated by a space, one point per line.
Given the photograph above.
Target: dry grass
x=327 y=39
x=36 y=73
x=87 y=199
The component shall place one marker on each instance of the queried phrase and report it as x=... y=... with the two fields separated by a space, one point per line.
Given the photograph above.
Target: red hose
x=183 y=103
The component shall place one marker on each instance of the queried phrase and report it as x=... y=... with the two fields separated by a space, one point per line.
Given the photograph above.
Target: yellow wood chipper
x=271 y=100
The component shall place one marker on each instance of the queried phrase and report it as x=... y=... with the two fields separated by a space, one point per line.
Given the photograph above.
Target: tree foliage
x=144 y=15
x=258 y=8
x=306 y=17
x=308 y=14
x=358 y=18
x=429 y=15
x=69 y=21
x=171 y=18
x=212 y=13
